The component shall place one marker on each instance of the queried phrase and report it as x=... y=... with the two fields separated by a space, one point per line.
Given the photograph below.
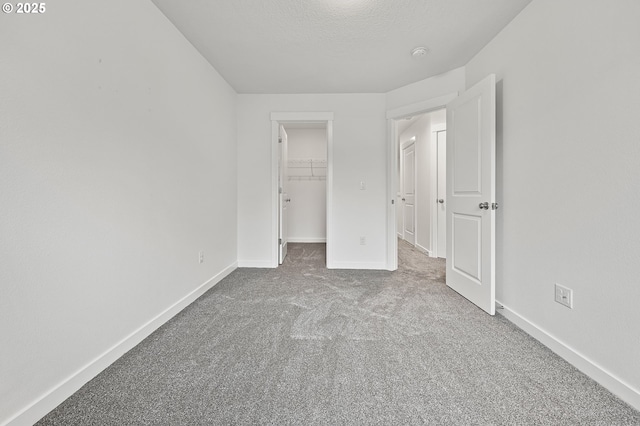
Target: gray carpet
x=302 y=345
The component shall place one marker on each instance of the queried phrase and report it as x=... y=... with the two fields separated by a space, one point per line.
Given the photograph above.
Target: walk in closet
x=307 y=185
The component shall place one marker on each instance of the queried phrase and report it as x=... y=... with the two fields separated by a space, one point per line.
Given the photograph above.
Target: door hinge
x=279 y=140
x=280 y=241
x=494 y=206
x=280 y=190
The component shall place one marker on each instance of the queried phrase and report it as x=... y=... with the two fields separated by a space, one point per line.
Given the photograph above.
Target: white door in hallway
x=283 y=198
x=441 y=197
x=409 y=190
x=471 y=146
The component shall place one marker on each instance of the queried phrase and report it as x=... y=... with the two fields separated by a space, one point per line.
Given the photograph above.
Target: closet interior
x=307 y=186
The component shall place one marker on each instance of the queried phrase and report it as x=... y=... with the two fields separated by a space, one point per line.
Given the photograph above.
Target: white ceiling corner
x=336 y=46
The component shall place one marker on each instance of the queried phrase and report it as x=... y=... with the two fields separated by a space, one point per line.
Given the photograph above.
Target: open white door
x=441 y=206
x=409 y=191
x=471 y=182
x=283 y=196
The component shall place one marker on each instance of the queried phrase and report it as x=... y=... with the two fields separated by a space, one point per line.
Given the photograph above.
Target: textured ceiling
x=336 y=46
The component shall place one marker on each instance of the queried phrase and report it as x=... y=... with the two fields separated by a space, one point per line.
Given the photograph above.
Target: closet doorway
x=302 y=176
x=306 y=182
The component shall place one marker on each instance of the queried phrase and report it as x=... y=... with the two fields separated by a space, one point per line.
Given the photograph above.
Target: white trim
x=275 y=206
x=423 y=250
x=278 y=118
x=421 y=107
x=433 y=177
x=608 y=380
x=307 y=240
x=360 y=265
x=330 y=237
x=54 y=397
x=392 y=195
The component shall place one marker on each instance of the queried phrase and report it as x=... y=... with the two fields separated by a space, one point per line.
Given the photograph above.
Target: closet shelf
x=307 y=169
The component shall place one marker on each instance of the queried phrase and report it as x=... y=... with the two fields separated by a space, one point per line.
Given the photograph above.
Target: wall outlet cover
x=564 y=296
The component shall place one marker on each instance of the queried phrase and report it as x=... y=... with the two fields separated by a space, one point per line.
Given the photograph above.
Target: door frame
x=434 y=186
x=278 y=118
x=428 y=105
x=283 y=225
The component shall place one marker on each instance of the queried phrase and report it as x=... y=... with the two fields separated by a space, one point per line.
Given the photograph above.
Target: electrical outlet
x=564 y=296
x=201 y=256
x=363 y=185
x=363 y=241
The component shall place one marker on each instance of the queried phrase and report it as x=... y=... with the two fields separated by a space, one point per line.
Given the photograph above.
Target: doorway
x=439 y=188
x=306 y=185
x=394 y=118
x=301 y=180
x=470 y=186
x=421 y=174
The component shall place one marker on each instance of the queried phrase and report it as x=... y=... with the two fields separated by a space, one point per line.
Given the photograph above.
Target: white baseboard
x=608 y=380
x=357 y=265
x=424 y=250
x=307 y=240
x=255 y=264
x=51 y=399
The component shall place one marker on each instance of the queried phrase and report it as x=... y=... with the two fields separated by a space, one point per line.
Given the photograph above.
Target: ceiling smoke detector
x=419 y=52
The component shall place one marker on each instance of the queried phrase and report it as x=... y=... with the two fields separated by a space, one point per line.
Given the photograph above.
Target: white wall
x=568 y=172
x=359 y=154
x=115 y=144
x=116 y=137
x=438 y=119
x=433 y=87
x=308 y=207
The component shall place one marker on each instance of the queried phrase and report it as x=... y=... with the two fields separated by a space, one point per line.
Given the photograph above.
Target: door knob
x=403 y=199
x=288 y=200
x=484 y=206
x=441 y=201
